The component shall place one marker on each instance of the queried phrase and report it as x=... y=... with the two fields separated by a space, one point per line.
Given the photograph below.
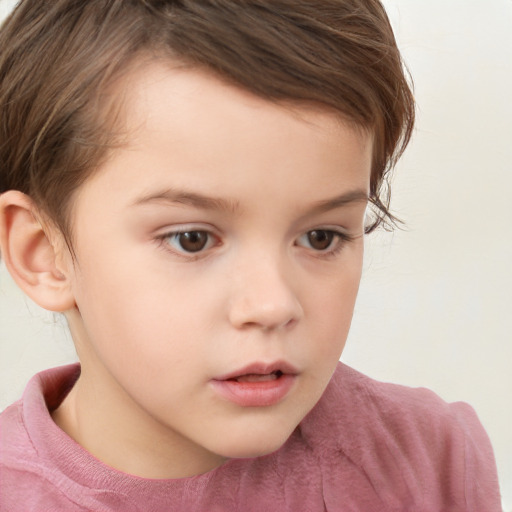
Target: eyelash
x=338 y=242
x=190 y=255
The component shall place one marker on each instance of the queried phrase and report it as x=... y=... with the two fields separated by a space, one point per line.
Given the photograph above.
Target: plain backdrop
x=435 y=306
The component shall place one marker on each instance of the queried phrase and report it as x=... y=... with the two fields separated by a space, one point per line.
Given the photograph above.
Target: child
x=188 y=183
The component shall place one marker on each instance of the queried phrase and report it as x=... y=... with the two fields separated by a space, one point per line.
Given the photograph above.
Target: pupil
x=193 y=241
x=320 y=239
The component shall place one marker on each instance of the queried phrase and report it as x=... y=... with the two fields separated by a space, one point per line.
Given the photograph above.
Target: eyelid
x=169 y=232
x=342 y=236
x=186 y=228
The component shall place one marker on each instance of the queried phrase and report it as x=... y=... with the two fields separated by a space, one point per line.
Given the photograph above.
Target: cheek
x=132 y=316
x=331 y=306
x=141 y=312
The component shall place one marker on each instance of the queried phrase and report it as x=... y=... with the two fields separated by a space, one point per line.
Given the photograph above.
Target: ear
x=34 y=259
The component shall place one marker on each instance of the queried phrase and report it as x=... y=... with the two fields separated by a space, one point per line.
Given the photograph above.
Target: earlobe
x=30 y=255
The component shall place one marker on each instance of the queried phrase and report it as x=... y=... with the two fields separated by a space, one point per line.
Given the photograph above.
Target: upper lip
x=259 y=368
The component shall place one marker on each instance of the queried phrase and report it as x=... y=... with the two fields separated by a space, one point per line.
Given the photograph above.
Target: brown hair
x=58 y=57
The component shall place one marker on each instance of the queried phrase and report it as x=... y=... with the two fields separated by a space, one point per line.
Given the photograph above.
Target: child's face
x=258 y=190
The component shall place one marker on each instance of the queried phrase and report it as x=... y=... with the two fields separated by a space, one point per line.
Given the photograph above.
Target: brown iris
x=320 y=239
x=193 y=241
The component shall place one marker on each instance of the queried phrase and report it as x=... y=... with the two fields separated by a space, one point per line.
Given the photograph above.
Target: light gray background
x=435 y=307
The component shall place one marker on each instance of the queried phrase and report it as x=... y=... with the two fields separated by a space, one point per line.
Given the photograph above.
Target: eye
x=319 y=239
x=189 y=241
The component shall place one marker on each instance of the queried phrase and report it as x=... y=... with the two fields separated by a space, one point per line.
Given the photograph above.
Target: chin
x=252 y=444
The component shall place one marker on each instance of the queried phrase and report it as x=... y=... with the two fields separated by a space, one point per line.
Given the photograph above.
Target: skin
x=154 y=324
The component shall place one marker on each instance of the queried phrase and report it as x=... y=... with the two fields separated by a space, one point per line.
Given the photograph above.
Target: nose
x=262 y=297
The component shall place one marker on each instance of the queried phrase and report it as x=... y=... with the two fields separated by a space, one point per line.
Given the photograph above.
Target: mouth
x=257 y=385
x=260 y=371
x=256 y=377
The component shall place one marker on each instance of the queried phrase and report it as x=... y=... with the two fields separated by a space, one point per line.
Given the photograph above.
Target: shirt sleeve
x=481 y=476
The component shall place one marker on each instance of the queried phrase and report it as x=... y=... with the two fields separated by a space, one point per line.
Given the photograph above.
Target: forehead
x=185 y=128
x=155 y=87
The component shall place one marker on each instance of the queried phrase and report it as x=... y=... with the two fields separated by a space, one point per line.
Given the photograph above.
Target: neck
x=104 y=420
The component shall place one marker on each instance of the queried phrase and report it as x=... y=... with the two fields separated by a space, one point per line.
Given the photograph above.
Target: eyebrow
x=352 y=196
x=232 y=206
x=190 y=199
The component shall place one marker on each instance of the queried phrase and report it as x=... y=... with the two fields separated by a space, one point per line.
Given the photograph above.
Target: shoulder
x=353 y=401
x=27 y=480
x=16 y=447
x=406 y=442
x=21 y=472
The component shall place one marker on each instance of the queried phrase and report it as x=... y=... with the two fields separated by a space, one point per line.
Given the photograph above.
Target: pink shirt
x=366 y=446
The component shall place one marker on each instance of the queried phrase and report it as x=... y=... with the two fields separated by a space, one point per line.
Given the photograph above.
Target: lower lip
x=255 y=394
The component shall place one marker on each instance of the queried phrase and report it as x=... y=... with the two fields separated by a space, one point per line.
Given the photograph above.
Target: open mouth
x=257 y=385
x=260 y=372
x=257 y=377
